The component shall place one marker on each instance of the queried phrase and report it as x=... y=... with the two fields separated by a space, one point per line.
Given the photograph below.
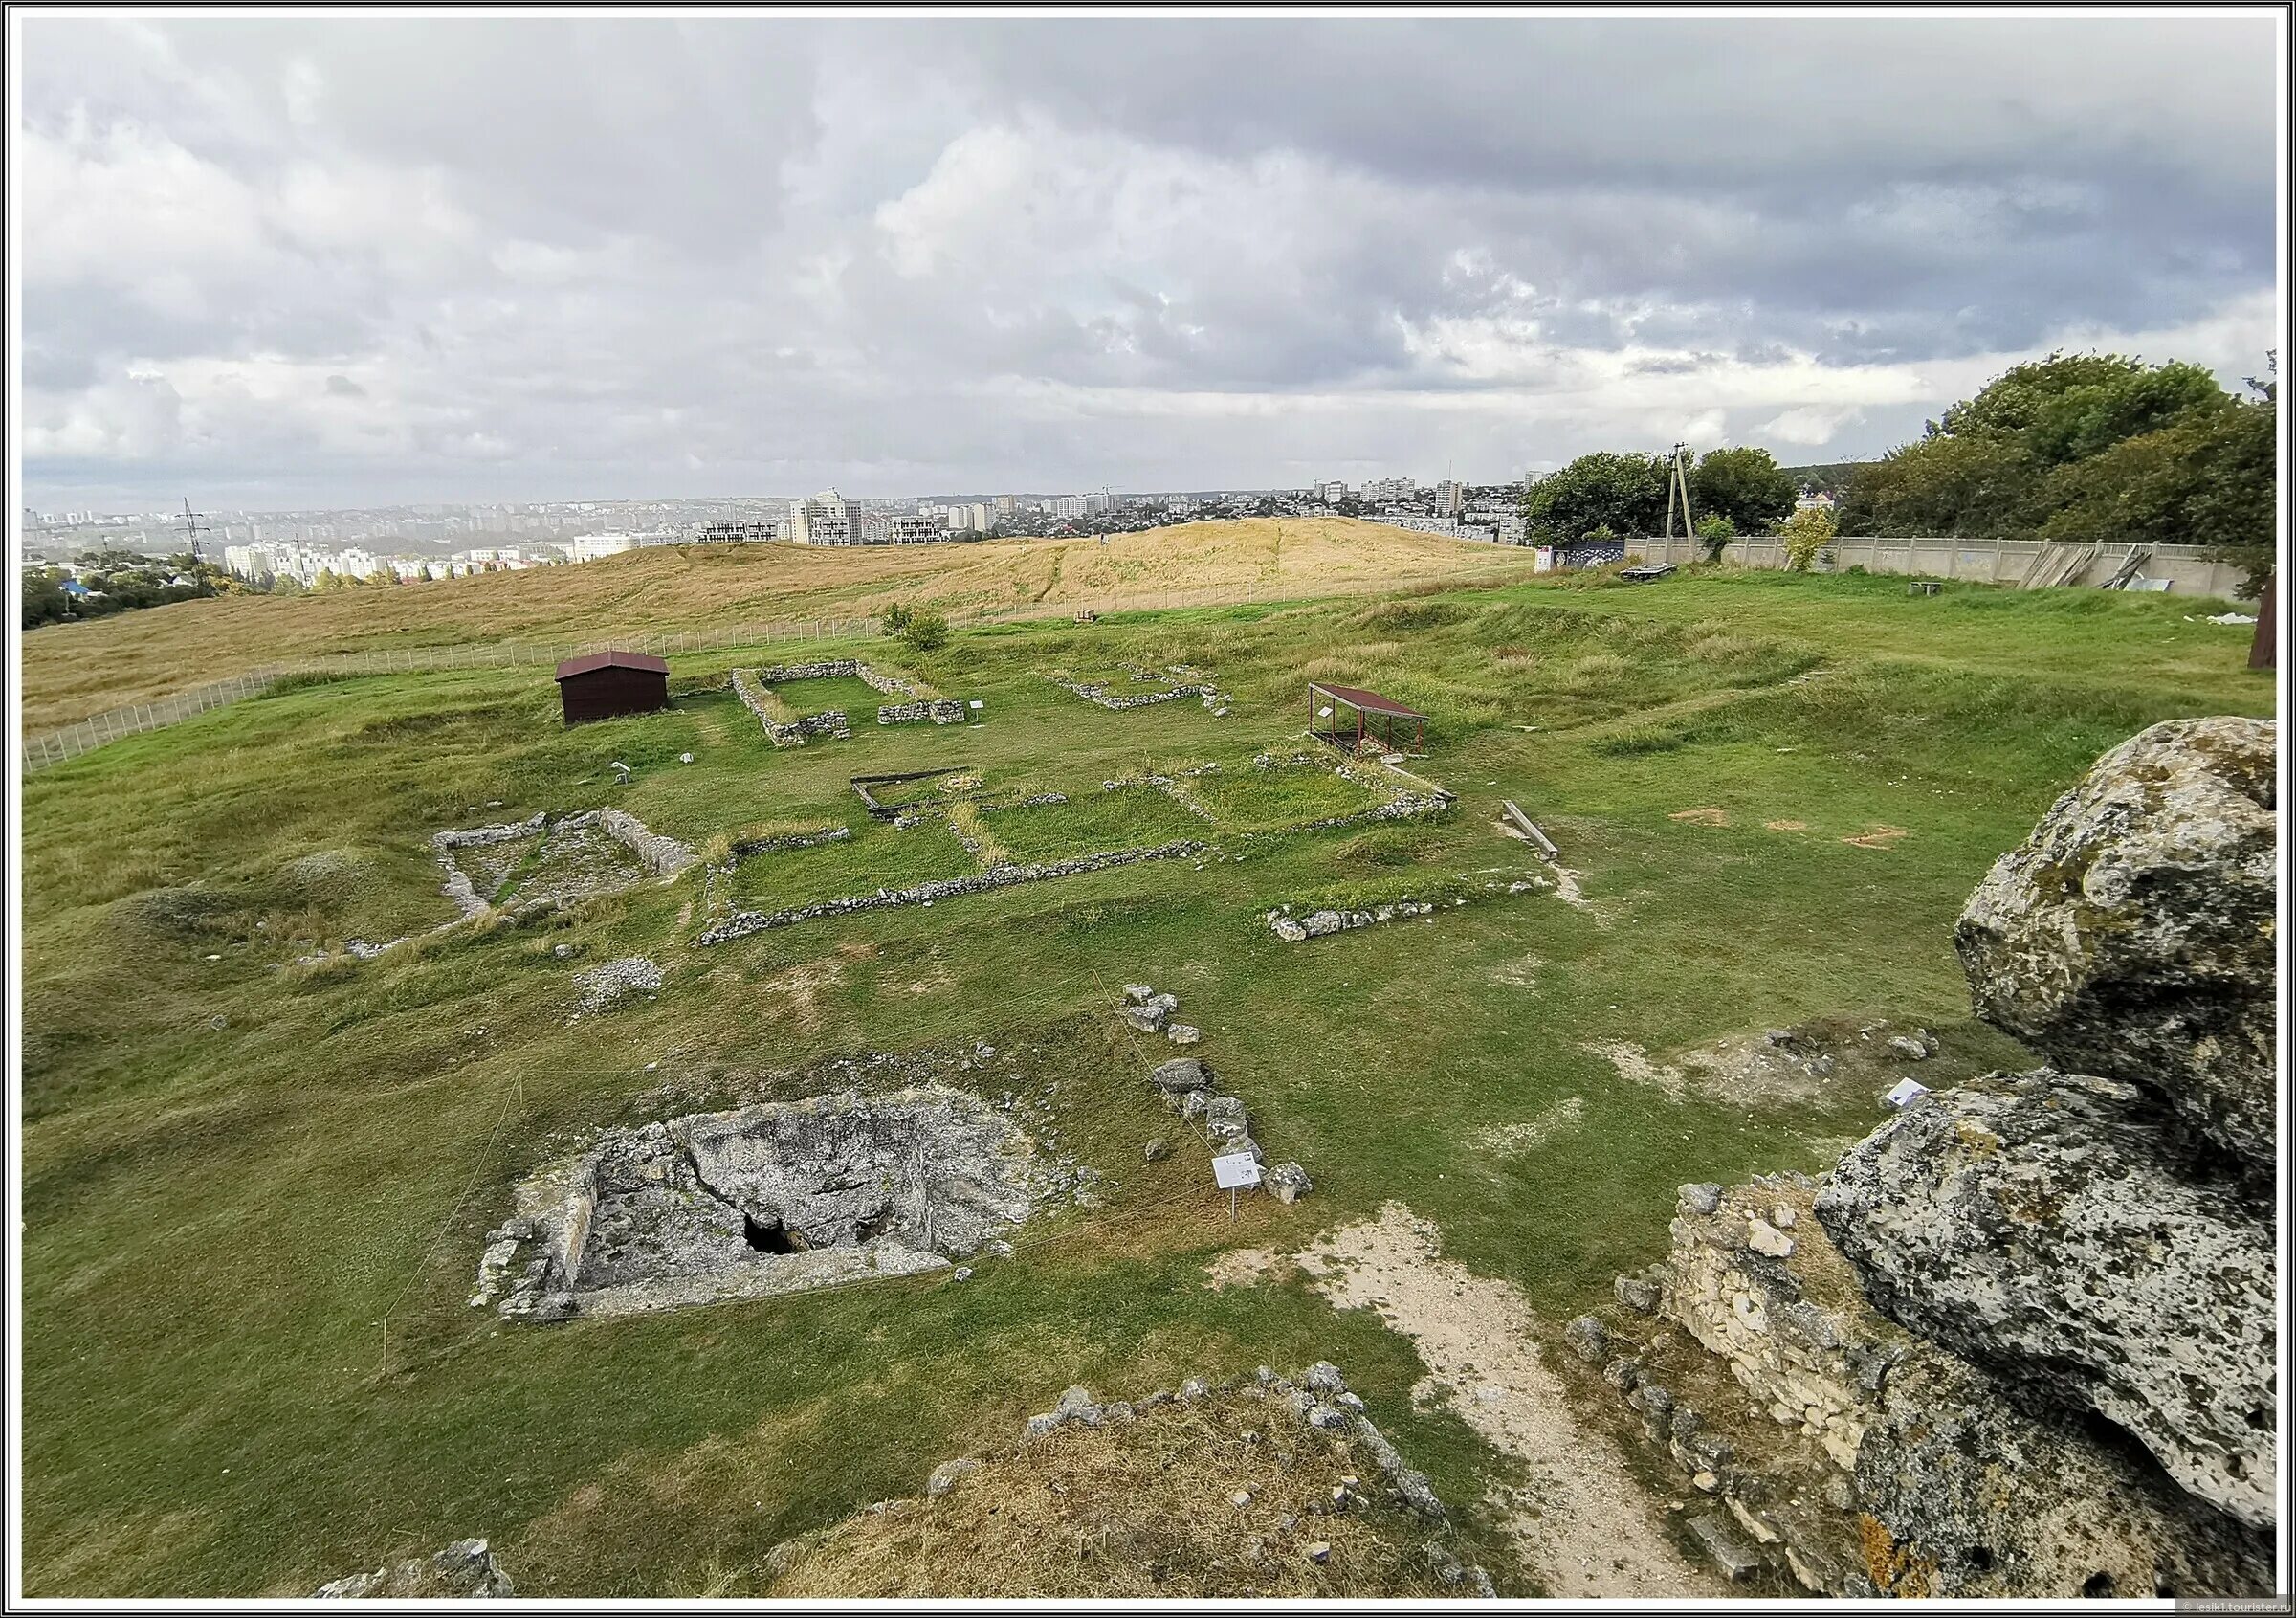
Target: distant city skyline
x=704 y=256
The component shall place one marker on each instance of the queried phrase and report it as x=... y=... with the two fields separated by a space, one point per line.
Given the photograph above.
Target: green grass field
x=255 y=1190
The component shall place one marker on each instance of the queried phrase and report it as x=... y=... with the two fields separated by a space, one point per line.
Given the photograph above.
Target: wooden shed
x=608 y=683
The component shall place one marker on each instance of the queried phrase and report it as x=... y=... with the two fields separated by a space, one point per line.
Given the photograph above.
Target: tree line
x=2075 y=447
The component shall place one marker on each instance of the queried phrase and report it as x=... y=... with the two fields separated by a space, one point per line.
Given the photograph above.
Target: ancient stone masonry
x=583 y=854
x=1324 y=921
x=2022 y=1341
x=1098 y=693
x=938 y=710
x=744 y=922
x=1187 y=1085
x=835 y=667
x=830 y=722
x=713 y=898
x=778 y=1197
x=464 y=1571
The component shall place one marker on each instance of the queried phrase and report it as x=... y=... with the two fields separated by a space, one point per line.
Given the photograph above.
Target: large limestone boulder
x=1980 y=1497
x=2131 y=936
x=2034 y=1226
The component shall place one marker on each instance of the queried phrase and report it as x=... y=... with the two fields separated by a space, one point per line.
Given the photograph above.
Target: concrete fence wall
x=2001 y=562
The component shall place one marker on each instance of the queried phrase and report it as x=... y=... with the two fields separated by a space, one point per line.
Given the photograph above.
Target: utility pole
x=1678 y=483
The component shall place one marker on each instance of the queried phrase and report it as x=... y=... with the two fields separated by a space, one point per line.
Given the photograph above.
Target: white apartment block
x=1069 y=506
x=828 y=518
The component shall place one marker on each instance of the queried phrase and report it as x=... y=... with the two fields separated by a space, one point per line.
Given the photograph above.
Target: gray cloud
x=356 y=259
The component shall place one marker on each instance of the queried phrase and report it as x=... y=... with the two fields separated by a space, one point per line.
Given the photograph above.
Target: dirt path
x=1584 y=1522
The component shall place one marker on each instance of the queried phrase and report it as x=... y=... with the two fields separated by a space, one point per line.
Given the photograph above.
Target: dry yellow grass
x=1145 y=1509
x=71 y=671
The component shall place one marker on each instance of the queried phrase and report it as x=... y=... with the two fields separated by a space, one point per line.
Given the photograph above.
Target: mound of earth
x=773 y=1198
x=1824 y=1055
x=1254 y=1491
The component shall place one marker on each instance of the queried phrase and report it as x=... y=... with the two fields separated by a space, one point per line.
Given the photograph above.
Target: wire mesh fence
x=55 y=746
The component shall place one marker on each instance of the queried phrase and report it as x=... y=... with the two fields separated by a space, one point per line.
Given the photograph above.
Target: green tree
x=1745 y=485
x=1806 y=533
x=44 y=599
x=923 y=631
x=2208 y=481
x=1715 y=531
x=1978 y=487
x=1626 y=493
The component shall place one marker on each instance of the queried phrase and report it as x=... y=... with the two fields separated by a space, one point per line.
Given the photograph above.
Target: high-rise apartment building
x=828 y=518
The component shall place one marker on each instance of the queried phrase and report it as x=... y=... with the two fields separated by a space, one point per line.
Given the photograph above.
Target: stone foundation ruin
x=917 y=702
x=774 y=1197
x=544 y=861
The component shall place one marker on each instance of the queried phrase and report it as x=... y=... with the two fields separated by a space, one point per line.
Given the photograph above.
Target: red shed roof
x=1366 y=701
x=596 y=660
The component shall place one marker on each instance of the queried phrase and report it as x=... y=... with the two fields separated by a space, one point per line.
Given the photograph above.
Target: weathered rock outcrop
x=2032 y=1226
x=2131 y=936
x=2023 y=1342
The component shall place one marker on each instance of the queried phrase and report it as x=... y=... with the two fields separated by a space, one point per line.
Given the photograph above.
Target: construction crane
x=194 y=527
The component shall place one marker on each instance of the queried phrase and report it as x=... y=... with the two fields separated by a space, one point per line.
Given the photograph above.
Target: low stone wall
x=664 y=857
x=1100 y=694
x=745 y=922
x=938 y=710
x=891 y=685
x=836 y=668
x=1323 y=923
x=787 y=840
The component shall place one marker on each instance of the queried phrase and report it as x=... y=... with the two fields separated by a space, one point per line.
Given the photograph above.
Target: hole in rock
x=1981 y=1558
x=2098 y=1586
x=763 y=1236
x=714 y=1206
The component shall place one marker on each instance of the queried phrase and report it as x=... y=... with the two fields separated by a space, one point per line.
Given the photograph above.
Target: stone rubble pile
x=1323 y=923
x=1321 y=1399
x=608 y=983
x=464 y=1571
x=1187 y=1085
x=2022 y=1341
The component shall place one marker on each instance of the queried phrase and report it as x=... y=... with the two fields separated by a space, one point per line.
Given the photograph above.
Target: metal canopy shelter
x=1366 y=712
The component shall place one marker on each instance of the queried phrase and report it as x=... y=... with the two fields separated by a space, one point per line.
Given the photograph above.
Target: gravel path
x=1584 y=1522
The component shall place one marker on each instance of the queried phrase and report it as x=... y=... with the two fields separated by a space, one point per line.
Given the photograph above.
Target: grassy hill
x=73 y=670
x=255 y=1184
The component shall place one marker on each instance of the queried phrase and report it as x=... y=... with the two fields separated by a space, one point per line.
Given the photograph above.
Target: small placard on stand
x=1232 y=1172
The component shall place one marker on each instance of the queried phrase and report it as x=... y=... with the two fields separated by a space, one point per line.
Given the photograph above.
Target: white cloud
x=716 y=254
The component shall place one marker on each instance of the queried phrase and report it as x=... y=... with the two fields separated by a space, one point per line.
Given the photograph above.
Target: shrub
x=1806 y=533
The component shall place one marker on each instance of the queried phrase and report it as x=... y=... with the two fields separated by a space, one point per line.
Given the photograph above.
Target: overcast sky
x=360 y=260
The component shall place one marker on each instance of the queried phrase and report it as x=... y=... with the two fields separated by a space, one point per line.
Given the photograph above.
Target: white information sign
x=976 y=703
x=1235 y=1169
x=1905 y=1092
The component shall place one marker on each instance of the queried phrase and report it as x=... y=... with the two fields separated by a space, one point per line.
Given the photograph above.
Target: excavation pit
x=775 y=1198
